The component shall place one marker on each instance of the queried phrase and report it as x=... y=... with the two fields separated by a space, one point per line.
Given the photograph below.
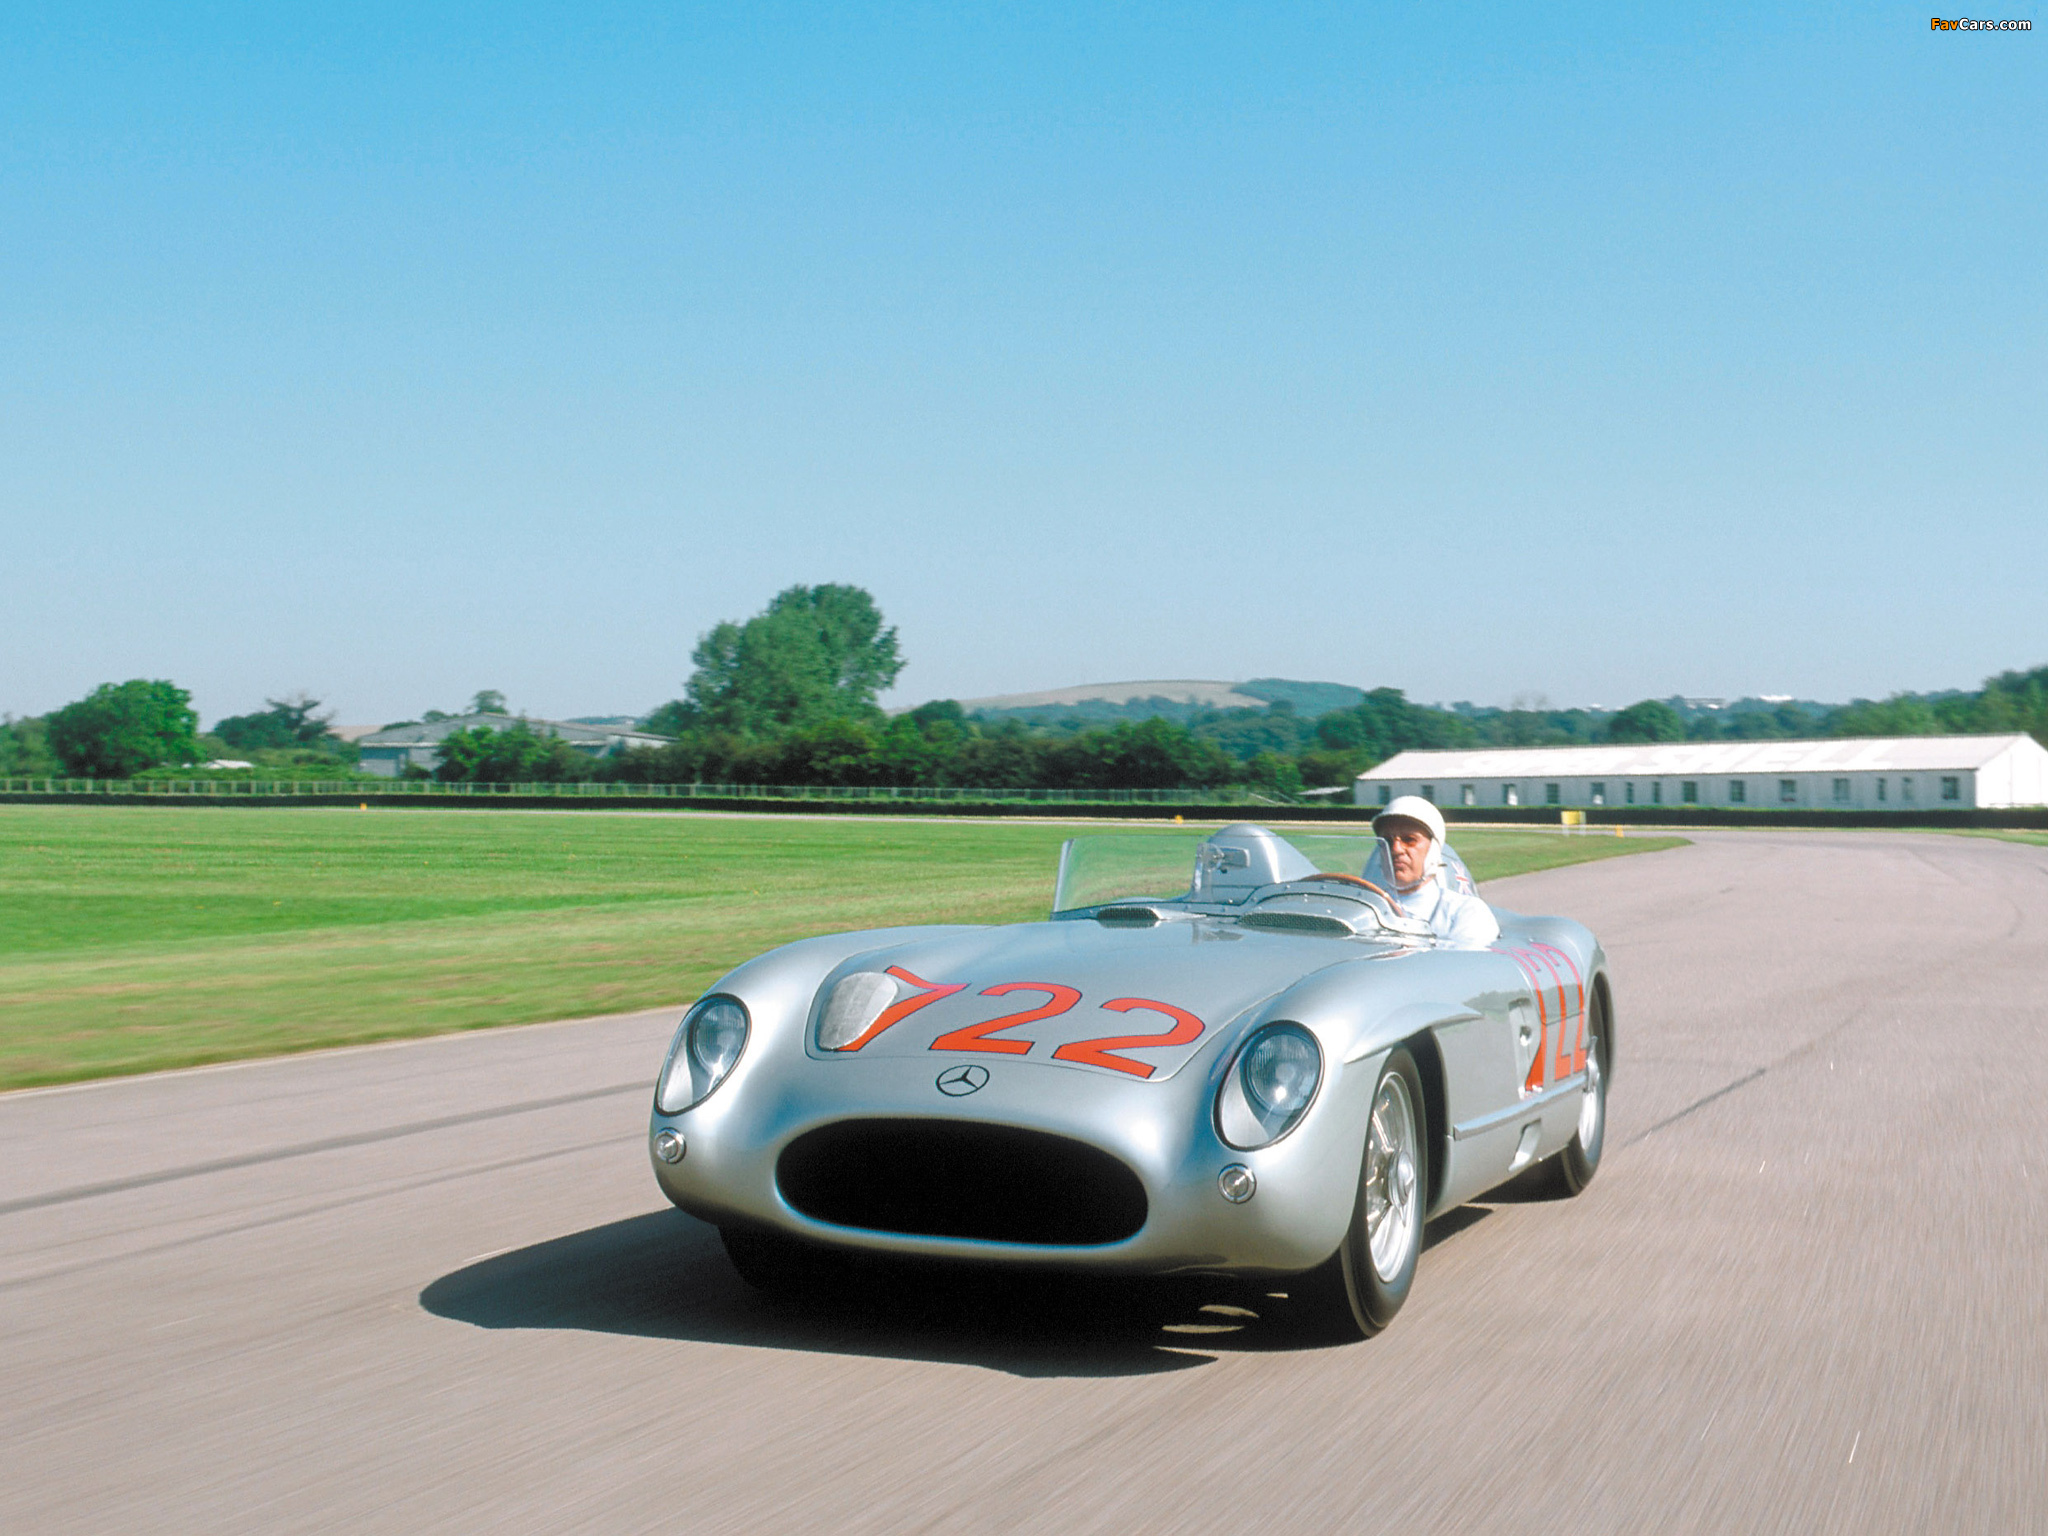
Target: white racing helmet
x=1439 y=864
x=1415 y=808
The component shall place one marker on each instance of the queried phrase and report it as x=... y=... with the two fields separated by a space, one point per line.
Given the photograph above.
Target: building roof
x=437 y=730
x=1880 y=754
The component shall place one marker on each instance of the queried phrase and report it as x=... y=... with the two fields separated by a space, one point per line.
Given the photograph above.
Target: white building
x=390 y=753
x=1892 y=773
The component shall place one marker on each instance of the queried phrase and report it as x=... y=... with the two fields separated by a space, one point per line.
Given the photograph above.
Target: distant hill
x=1210 y=695
x=1308 y=699
x=1179 y=699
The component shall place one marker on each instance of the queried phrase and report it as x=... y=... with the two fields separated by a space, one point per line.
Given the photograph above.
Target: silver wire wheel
x=1393 y=1196
x=1592 y=1103
x=1577 y=1163
x=1358 y=1289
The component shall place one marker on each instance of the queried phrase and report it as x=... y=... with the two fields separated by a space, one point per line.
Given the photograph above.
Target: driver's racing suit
x=1444 y=898
x=1456 y=917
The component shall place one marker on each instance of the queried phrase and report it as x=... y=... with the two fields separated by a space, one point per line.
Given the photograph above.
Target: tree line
x=790 y=695
x=143 y=726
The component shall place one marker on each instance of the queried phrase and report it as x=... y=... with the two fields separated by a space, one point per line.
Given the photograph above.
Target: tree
x=939 y=712
x=25 y=749
x=488 y=701
x=286 y=724
x=836 y=751
x=1650 y=721
x=1009 y=757
x=1903 y=714
x=1248 y=733
x=815 y=653
x=2014 y=701
x=119 y=729
x=1151 y=754
x=1270 y=771
x=1383 y=723
x=518 y=754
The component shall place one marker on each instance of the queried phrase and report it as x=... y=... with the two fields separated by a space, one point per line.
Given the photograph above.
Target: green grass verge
x=137 y=938
x=2003 y=834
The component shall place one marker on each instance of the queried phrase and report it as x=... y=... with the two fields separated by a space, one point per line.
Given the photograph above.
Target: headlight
x=1270 y=1087
x=856 y=1002
x=703 y=1052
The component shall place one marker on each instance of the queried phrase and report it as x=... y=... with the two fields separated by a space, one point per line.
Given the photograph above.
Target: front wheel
x=1359 y=1288
x=1577 y=1163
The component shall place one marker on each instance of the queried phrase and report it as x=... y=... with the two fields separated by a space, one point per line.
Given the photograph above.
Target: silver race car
x=1220 y=1055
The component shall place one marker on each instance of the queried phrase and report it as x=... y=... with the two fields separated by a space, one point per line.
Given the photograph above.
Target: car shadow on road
x=665 y=1276
x=1452 y=1222
x=1540 y=1184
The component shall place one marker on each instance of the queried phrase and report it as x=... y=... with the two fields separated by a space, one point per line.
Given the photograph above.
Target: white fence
x=432 y=788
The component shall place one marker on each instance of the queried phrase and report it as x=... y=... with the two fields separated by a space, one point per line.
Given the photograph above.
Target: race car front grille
x=947 y=1178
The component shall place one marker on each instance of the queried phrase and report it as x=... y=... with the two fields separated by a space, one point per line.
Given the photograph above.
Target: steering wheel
x=1357 y=880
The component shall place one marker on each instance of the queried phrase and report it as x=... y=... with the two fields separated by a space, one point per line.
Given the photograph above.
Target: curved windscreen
x=1101 y=868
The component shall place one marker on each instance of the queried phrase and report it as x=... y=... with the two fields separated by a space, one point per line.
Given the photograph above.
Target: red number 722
x=1099 y=1052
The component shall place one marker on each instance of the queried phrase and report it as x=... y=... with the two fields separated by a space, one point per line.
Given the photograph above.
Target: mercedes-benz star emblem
x=959 y=1080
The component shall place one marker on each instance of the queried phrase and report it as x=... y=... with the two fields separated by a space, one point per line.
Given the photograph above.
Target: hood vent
x=1127 y=917
x=1298 y=922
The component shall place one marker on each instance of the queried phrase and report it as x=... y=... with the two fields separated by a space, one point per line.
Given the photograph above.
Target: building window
x=1841 y=791
x=1657 y=792
x=1628 y=792
x=1738 y=791
x=1429 y=793
x=1599 y=794
x=1689 y=791
x=1788 y=791
x=1550 y=794
x=1951 y=787
x=1510 y=795
x=1468 y=794
x=1906 y=790
x=1880 y=791
x=1386 y=793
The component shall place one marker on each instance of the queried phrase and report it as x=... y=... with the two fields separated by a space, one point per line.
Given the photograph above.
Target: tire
x=1358 y=1289
x=775 y=1265
x=1579 y=1161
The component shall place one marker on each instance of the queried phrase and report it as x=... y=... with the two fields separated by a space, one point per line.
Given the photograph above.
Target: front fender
x=778 y=987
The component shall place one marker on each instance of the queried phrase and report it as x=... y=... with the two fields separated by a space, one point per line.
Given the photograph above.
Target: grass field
x=133 y=939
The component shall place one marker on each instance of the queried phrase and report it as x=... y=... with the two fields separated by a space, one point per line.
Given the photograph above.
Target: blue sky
x=1489 y=352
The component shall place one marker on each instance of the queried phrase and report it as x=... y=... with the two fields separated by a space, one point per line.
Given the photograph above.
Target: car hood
x=1136 y=1002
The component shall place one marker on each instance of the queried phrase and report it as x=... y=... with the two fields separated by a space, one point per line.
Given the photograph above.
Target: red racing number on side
x=1563 y=1066
x=974 y=1037
x=1097 y=1053
x=1534 y=1080
x=1577 y=1054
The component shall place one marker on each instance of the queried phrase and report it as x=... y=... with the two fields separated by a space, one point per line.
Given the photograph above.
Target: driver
x=1411 y=831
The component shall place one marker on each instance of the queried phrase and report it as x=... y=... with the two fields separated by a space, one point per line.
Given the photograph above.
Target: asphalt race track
x=431 y=1287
